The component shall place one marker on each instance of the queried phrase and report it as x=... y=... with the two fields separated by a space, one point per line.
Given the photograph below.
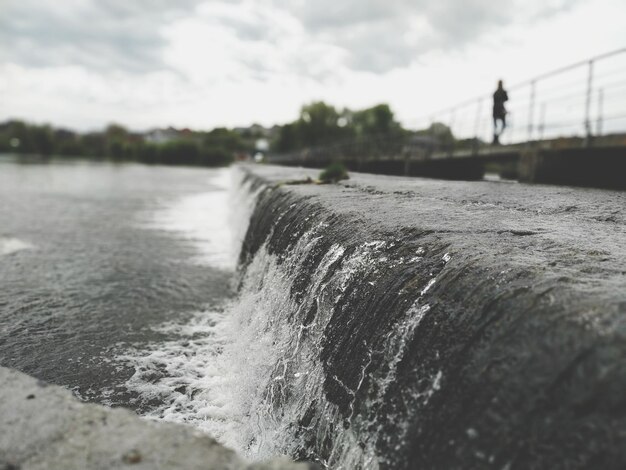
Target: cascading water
x=272 y=372
x=357 y=345
x=323 y=301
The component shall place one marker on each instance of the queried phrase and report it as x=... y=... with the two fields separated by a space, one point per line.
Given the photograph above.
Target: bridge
x=565 y=126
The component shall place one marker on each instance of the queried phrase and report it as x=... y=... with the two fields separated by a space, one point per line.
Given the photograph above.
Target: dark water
x=86 y=269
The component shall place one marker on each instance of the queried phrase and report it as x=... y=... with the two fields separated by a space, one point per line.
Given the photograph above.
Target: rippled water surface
x=95 y=257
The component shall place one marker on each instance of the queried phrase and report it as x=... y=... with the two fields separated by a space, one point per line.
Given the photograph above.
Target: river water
x=96 y=260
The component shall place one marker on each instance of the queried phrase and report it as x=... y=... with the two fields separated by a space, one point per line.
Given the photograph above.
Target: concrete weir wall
x=435 y=324
x=457 y=325
x=44 y=427
x=602 y=167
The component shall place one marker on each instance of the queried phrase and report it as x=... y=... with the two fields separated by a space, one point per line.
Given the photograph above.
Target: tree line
x=318 y=124
x=321 y=124
x=214 y=148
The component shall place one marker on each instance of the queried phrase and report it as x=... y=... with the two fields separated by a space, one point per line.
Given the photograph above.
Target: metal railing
x=581 y=100
x=584 y=99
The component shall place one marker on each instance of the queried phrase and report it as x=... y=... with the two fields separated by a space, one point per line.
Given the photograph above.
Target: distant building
x=161 y=136
x=262 y=145
x=257 y=131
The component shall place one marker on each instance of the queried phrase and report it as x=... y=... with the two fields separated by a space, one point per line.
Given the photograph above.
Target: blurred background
x=205 y=82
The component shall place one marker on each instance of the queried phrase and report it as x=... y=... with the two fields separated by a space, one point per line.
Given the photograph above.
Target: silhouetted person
x=499 y=112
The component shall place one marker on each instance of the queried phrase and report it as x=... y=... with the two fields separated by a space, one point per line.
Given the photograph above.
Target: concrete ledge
x=518 y=297
x=44 y=427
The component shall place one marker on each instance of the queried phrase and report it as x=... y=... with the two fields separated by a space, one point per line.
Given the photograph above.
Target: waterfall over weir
x=344 y=308
x=410 y=328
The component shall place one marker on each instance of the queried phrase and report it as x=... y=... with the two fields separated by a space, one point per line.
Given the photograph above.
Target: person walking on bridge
x=499 y=112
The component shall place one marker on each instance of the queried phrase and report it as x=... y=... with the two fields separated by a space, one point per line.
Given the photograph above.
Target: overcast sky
x=200 y=64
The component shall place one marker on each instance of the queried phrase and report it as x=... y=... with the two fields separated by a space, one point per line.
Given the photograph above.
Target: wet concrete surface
x=520 y=359
x=45 y=427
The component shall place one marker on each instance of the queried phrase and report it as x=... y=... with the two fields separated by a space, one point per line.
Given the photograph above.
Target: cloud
x=366 y=35
x=106 y=35
x=84 y=63
x=380 y=35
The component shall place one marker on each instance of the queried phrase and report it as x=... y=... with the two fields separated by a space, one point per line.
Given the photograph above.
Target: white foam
x=12 y=245
x=212 y=365
x=246 y=373
x=217 y=368
x=176 y=371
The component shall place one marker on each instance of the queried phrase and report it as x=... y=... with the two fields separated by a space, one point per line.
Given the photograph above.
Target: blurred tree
x=18 y=137
x=287 y=139
x=42 y=140
x=117 y=139
x=66 y=143
x=220 y=145
x=178 y=152
x=115 y=132
x=440 y=132
x=93 y=144
x=319 y=125
x=223 y=138
x=147 y=153
x=378 y=120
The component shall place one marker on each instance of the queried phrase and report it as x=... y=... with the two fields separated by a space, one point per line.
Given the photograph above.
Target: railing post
x=432 y=131
x=542 y=120
x=588 y=102
x=452 y=116
x=476 y=145
x=479 y=105
x=531 y=110
x=599 y=122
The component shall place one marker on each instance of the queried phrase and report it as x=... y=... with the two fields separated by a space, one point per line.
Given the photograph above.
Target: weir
x=413 y=323
x=382 y=323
